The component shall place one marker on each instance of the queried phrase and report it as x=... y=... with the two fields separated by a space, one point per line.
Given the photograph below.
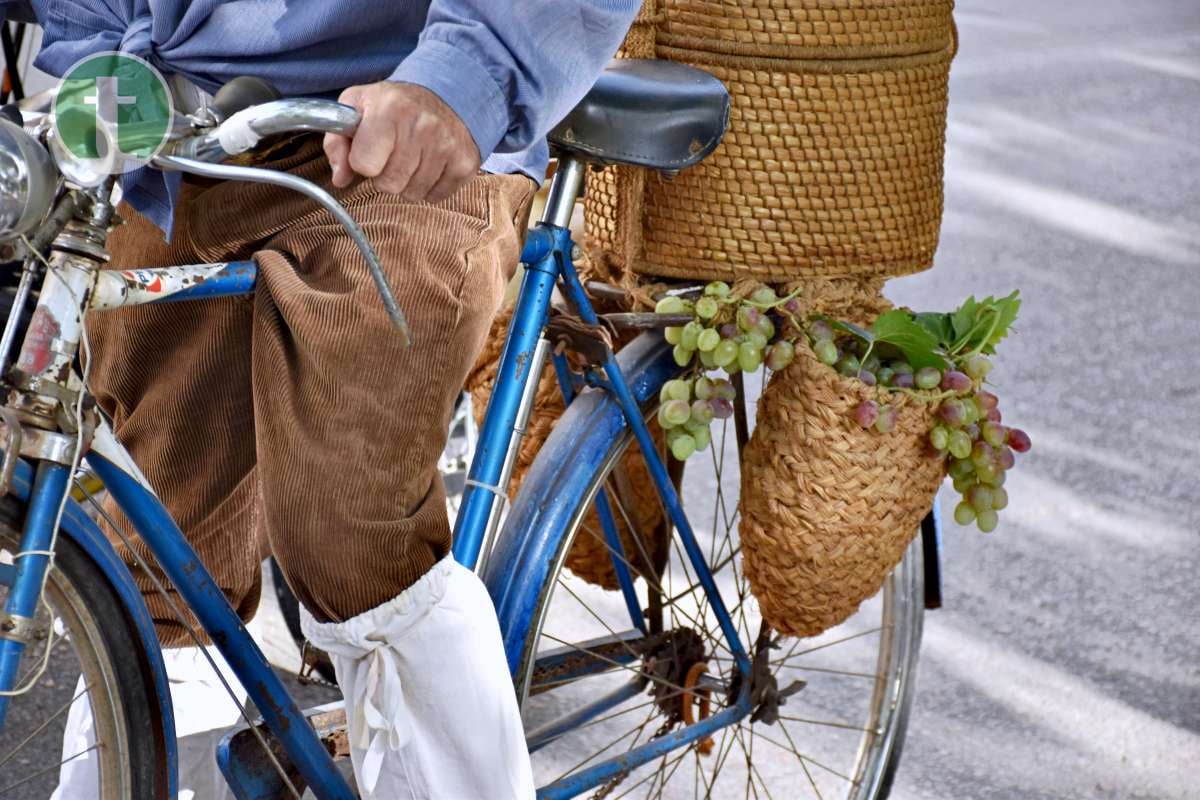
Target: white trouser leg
x=429 y=700
x=203 y=713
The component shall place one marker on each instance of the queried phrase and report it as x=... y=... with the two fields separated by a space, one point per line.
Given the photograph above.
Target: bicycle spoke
x=672 y=603
x=636 y=733
x=652 y=583
x=804 y=766
x=791 y=653
x=696 y=623
x=615 y=663
x=870 y=675
x=667 y=778
x=613 y=495
x=795 y=751
x=598 y=618
x=616 y=714
x=812 y=781
x=828 y=724
x=730 y=735
x=5 y=790
x=42 y=727
x=653 y=775
x=762 y=781
x=749 y=763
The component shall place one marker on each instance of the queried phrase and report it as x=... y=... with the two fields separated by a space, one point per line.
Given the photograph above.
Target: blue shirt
x=510 y=69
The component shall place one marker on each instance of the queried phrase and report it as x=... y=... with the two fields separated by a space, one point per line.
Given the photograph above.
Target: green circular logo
x=113 y=111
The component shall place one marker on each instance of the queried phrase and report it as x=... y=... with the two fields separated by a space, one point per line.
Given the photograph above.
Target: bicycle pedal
x=252 y=774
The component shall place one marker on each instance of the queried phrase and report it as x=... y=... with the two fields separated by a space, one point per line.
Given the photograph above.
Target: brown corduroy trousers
x=293 y=420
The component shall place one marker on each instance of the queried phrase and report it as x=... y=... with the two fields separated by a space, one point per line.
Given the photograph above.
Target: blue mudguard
x=79 y=528
x=554 y=486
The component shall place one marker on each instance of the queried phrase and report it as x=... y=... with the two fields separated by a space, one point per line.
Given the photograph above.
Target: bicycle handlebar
x=245 y=129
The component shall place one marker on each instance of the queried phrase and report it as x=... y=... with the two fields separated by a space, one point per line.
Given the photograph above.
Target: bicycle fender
x=555 y=484
x=79 y=527
x=931 y=545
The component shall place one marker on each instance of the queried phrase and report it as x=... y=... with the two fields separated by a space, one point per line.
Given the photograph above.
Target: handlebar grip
x=241 y=93
x=244 y=129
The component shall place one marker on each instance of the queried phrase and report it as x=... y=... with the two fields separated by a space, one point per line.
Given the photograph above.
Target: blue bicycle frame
x=548 y=263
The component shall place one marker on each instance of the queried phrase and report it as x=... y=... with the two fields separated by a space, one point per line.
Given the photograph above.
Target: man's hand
x=409 y=141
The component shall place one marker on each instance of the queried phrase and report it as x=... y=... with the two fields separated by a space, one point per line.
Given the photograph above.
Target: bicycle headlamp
x=27 y=181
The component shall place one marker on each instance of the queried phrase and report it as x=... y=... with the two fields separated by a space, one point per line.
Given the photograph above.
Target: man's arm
x=486 y=76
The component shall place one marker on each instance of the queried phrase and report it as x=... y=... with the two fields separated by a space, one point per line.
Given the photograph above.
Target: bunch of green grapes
x=743 y=342
x=688 y=407
x=726 y=333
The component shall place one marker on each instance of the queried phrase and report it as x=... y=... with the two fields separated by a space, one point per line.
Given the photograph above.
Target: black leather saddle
x=655 y=114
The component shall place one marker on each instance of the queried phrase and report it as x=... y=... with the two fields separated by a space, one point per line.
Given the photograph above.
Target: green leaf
x=940 y=326
x=853 y=330
x=919 y=346
x=963 y=320
x=980 y=325
x=1006 y=309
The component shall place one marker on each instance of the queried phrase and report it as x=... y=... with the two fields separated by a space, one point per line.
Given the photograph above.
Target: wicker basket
x=832 y=165
x=828 y=508
x=589 y=556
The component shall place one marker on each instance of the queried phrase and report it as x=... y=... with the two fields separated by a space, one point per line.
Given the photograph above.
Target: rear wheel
x=94 y=658
x=839 y=701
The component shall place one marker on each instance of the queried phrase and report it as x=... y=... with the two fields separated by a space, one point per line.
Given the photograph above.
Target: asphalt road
x=1066 y=663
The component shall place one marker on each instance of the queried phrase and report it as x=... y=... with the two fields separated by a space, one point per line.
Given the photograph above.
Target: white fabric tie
x=429 y=701
x=381 y=722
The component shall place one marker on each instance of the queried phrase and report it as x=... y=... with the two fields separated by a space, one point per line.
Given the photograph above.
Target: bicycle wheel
x=597 y=688
x=87 y=631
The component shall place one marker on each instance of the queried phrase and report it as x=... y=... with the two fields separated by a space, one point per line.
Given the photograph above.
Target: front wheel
x=594 y=688
x=93 y=660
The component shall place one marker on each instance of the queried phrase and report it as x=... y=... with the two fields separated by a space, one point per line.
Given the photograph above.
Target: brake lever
x=314 y=192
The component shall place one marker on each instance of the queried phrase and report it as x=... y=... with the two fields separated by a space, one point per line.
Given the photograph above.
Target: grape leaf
x=854 y=330
x=980 y=325
x=940 y=326
x=919 y=346
x=963 y=320
x=1006 y=309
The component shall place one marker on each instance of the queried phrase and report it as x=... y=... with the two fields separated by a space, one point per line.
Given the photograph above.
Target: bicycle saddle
x=647 y=113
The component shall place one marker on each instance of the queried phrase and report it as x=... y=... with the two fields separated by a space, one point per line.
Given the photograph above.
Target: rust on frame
x=36 y=354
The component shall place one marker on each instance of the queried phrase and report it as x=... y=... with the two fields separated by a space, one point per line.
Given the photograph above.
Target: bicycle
x=677 y=654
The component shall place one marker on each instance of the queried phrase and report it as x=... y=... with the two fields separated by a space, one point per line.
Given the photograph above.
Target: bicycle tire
x=101 y=641
x=901 y=601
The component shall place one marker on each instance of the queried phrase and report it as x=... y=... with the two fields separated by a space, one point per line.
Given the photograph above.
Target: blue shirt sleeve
x=511 y=69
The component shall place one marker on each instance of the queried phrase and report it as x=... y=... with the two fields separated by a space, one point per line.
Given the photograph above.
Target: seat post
x=565 y=188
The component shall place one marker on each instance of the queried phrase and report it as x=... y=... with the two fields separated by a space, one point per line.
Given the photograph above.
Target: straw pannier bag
x=588 y=557
x=828 y=508
x=832 y=165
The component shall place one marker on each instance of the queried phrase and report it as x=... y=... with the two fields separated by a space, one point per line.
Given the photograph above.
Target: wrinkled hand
x=409 y=141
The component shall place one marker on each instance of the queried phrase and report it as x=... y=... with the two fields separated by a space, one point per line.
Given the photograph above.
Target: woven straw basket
x=828 y=508
x=589 y=557
x=832 y=165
